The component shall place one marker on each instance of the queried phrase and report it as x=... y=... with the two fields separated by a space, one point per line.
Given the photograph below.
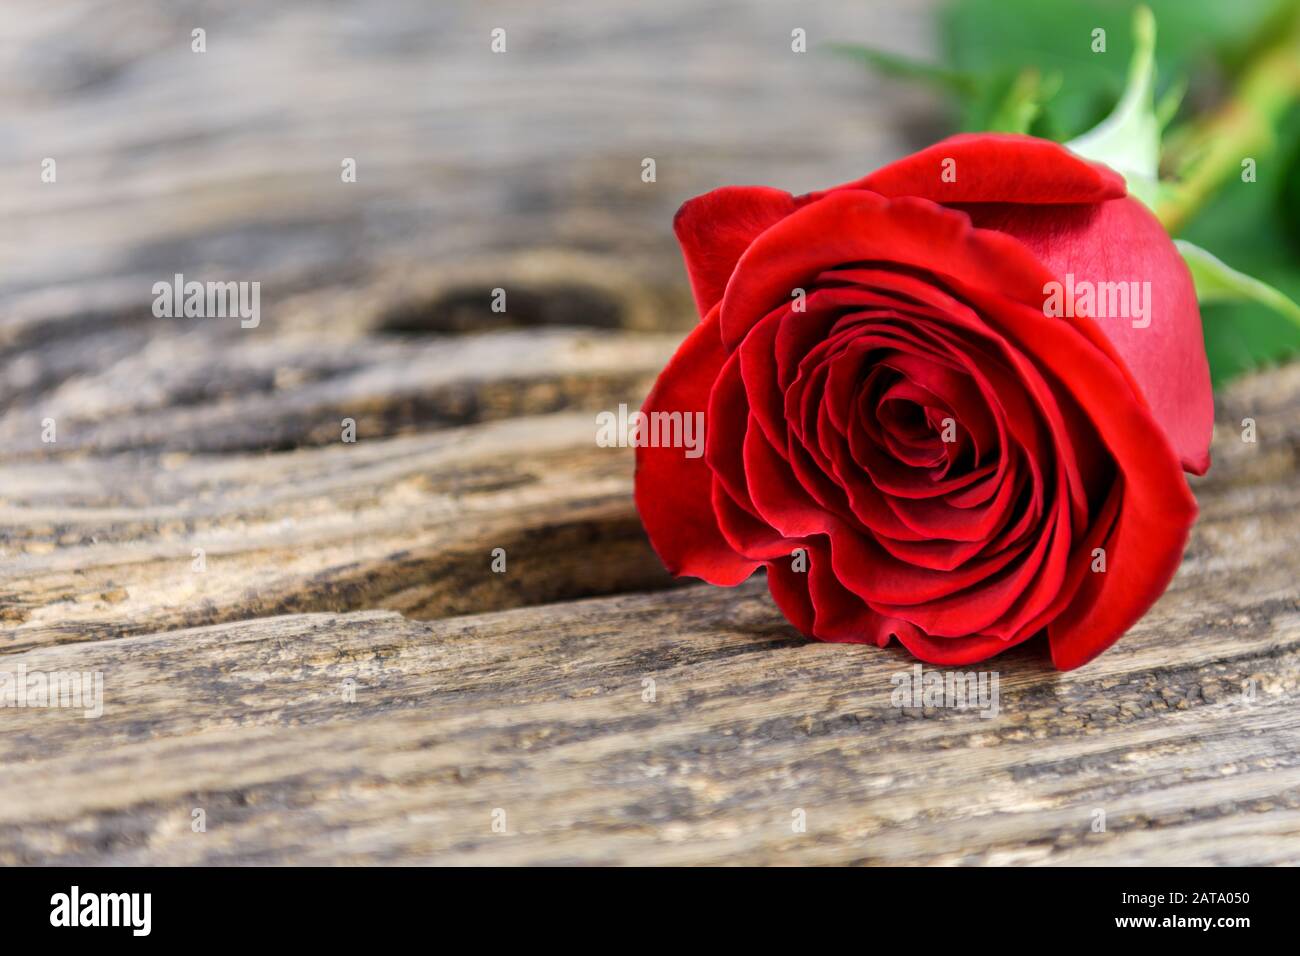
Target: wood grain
x=408 y=523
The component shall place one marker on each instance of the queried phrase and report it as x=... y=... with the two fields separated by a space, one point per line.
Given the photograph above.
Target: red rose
x=893 y=396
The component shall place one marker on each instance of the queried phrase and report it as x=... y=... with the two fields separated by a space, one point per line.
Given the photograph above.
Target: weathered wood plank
x=103 y=547
x=228 y=162
x=268 y=395
x=540 y=712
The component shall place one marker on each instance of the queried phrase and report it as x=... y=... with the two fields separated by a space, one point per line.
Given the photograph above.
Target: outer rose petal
x=955 y=651
x=1156 y=509
x=673 y=492
x=995 y=167
x=1122 y=241
x=857 y=226
x=714 y=229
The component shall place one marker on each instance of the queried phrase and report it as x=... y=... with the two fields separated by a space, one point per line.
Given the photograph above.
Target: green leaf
x=1128 y=141
x=1023 y=102
x=1216 y=281
x=1253 y=220
x=981 y=37
x=1246 y=332
x=1167 y=108
x=1241 y=337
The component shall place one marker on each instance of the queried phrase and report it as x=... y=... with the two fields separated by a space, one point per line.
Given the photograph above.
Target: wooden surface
x=348 y=681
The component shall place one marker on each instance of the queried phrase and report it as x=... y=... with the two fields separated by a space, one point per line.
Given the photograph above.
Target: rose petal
x=995 y=167
x=954 y=651
x=714 y=229
x=674 y=493
x=1157 y=509
x=855 y=226
x=1121 y=242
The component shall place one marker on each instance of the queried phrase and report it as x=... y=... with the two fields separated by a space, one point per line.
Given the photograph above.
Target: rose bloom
x=902 y=429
